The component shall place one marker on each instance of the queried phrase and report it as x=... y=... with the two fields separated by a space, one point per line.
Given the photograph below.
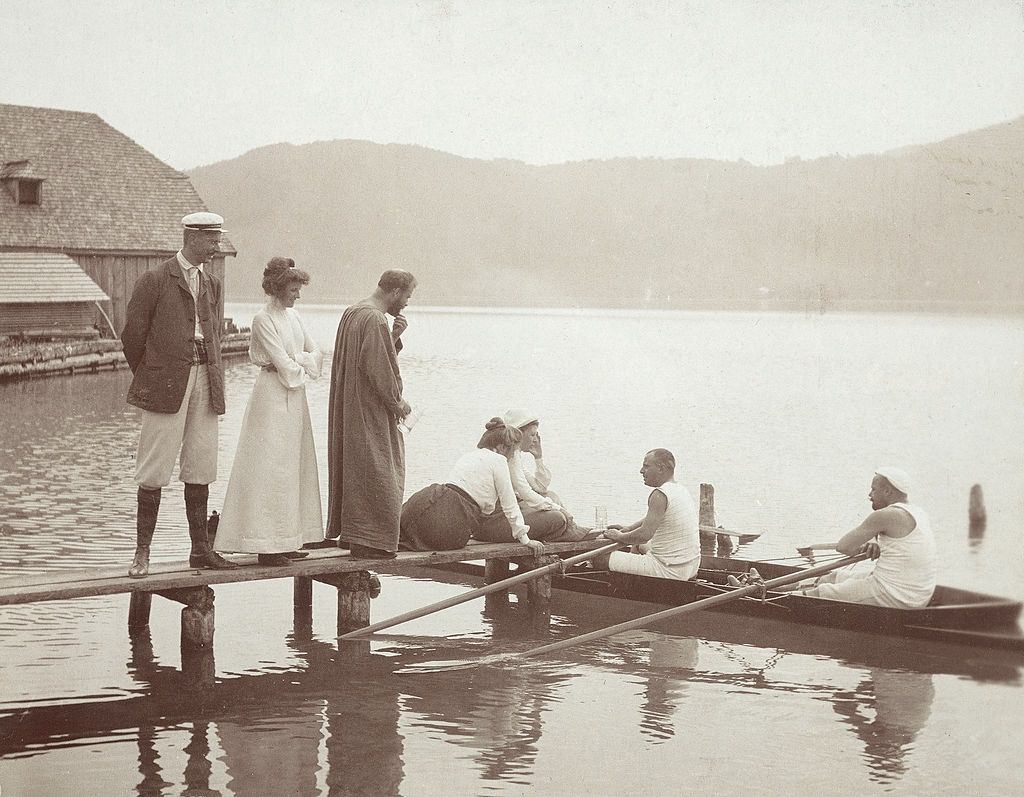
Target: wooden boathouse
x=73 y=187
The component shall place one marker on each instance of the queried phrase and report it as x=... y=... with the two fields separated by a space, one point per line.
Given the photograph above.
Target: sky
x=197 y=82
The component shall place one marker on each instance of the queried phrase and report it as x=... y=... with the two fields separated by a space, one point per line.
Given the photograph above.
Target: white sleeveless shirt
x=906 y=568
x=677 y=539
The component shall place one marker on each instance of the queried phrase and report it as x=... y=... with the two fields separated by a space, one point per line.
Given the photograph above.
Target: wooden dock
x=351 y=577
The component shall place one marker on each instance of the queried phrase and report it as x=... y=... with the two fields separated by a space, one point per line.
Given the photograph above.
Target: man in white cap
x=171 y=340
x=898 y=536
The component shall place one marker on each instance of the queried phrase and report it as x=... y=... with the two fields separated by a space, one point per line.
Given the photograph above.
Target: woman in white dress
x=272 y=506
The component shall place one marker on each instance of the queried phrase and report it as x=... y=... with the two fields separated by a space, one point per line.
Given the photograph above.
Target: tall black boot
x=145 y=524
x=201 y=555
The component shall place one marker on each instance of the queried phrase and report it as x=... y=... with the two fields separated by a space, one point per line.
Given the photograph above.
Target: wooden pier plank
x=62 y=585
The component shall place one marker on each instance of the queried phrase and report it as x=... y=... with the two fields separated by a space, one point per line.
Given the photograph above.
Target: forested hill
x=926 y=226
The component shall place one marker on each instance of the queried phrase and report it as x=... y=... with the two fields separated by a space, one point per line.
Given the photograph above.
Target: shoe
x=140 y=564
x=366 y=552
x=313 y=546
x=211 y=560
x=296 y=554
x=345 y=545
x=273 y=559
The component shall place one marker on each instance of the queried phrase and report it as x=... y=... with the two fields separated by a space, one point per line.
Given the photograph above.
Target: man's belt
x=199 y=355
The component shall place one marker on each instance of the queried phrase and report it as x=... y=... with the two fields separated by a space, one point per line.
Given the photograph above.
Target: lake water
x=786 y=415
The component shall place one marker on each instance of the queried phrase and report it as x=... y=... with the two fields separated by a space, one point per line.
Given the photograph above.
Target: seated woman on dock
x=272 y=504
x=547 y=518
x=477 y=500
x=899 y=537
x=668 y=536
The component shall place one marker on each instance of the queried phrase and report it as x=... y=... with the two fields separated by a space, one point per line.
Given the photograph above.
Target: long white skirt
x=273 y=499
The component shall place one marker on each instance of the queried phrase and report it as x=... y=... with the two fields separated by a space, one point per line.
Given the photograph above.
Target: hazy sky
x=545 y=82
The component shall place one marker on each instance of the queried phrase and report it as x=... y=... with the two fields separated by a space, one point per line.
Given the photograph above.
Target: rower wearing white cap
x=898 y=536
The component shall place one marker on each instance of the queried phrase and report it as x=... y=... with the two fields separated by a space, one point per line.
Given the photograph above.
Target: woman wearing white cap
x=477 y=500
x=549 y=520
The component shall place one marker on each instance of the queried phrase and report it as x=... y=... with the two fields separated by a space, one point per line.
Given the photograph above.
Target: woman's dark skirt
x=440 y=517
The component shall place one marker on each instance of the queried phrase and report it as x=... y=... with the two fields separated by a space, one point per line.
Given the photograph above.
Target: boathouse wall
x=117 y=272
x=17 y=318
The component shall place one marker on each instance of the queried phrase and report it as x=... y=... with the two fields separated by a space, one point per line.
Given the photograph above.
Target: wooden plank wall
x=62 y=315
x=116 y=275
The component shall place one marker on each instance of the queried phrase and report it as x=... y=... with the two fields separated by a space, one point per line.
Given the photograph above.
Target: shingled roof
x=100 y=190
x=45 y=277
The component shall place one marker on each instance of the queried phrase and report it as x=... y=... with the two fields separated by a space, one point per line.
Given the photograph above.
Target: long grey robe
x=366 y=453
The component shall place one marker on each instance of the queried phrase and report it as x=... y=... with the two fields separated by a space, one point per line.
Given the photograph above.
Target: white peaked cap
x=897 y=477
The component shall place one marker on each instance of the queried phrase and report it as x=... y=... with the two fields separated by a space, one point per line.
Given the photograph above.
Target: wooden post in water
x=707 y=517
x=976 y=514
x=302 y=606
x=197 y=626
x=538 y=593
x=138 y=611
x=353 y=598
x=495 y=570
x=196 y=617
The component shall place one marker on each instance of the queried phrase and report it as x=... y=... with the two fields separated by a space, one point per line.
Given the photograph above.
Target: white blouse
x=530 y=498
x=279 y=338
x=484 y=475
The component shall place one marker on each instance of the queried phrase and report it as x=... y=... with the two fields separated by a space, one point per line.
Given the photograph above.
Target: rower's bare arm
x=657 y=505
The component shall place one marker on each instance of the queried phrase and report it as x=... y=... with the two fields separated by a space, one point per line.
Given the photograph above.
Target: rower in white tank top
x=668 y=536
x=677 y=539
x=906 y=569
x=900 y=538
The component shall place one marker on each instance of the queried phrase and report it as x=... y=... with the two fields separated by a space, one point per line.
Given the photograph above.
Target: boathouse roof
x=71 y=182
x=45 y=277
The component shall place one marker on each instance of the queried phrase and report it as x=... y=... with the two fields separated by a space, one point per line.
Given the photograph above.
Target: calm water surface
x=787 y=415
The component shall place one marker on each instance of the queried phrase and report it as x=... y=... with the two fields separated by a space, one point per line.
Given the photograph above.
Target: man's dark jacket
x=157 y=337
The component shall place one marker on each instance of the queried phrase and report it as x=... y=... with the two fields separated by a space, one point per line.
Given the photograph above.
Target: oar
x=696 y=606
x=803 y=550
x=497 y=586
x=640 y=622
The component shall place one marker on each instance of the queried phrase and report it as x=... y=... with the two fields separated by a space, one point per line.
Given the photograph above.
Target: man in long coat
x=365 y=450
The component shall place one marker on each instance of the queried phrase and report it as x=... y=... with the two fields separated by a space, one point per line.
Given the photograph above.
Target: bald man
x=667 y=536
x=898 y=536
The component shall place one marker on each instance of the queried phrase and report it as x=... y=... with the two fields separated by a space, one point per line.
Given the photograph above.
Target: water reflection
x=887 y=710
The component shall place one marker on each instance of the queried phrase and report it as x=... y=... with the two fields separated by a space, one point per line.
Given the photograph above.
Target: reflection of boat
x=954 y=615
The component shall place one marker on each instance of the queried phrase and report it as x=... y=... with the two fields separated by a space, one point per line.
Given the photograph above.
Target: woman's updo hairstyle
x=280 y=273
x=497 y=436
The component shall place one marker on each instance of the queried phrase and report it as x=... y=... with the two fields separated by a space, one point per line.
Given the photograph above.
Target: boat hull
x=954 y=615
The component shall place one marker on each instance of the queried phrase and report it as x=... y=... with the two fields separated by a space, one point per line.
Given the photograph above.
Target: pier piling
x=138 y=611
x=538 y=593
x=976 y=514
x=708 y=539
x=353 y=598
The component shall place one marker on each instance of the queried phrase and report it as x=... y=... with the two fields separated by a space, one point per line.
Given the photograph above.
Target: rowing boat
x=953 y=615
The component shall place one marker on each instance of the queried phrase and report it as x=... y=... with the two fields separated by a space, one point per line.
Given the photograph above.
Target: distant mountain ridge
x=934 y=226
